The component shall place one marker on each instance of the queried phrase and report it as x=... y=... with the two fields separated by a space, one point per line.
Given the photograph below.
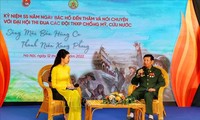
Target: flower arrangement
x=117 y=98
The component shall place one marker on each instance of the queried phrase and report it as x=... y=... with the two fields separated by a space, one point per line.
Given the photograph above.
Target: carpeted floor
x=29 y=113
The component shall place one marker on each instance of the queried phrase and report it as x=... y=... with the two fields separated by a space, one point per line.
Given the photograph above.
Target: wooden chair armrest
x=131 y=88
x=48 y=93
x=160 y=93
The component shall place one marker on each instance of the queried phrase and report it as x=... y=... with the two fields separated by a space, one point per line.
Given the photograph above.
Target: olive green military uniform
x=152 y=78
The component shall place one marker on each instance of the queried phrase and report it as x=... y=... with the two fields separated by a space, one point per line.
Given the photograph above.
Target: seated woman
x=61 y=82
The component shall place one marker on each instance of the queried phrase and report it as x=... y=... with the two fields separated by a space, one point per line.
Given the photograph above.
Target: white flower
x=121 y=95
x=111 y=97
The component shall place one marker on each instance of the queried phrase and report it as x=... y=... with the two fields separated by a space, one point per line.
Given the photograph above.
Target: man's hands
x=151 y=89
x=140 y=73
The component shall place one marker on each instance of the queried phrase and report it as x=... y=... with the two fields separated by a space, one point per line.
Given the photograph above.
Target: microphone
x=76 y=85
x=144 y=68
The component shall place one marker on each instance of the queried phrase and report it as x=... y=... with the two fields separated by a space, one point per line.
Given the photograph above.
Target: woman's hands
x=71 y=86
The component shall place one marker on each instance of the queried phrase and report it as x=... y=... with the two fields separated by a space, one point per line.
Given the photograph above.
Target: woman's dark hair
x=61 y=54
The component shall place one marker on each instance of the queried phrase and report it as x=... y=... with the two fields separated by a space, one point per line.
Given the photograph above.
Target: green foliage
x=23 y=91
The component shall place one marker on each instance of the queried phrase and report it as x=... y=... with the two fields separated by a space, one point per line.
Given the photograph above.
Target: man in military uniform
x=148 y=79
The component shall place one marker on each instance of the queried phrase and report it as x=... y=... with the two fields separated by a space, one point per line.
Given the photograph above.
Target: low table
x=92 y=105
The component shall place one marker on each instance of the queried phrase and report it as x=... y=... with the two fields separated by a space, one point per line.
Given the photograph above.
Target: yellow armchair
x=158 y=107
x=49 y=105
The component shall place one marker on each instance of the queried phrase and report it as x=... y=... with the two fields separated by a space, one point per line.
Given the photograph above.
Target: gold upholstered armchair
x=49 y=105
x=158 y=107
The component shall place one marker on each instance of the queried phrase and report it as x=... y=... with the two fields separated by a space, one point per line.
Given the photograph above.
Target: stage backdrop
x=107 y=40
